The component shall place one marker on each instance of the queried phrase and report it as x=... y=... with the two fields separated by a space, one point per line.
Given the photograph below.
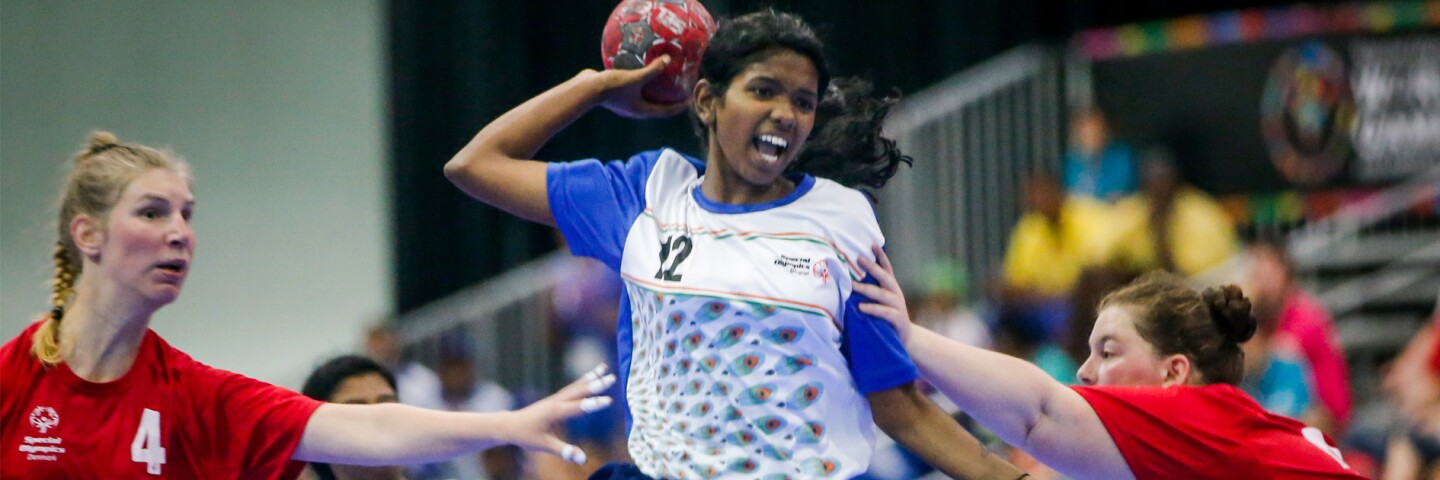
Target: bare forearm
x=391 y=434
x=1008 y=395
x=519 y=133
x=495 y=166
x=927 y=431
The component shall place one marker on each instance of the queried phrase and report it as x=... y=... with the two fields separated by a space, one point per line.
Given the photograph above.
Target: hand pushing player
x=1159 y=397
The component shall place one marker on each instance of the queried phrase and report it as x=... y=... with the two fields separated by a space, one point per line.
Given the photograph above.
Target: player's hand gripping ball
x=640 y=31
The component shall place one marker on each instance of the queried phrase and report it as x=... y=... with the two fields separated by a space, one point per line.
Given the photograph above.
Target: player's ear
x=88 y=234
x=1177 y=371
x=706 y=100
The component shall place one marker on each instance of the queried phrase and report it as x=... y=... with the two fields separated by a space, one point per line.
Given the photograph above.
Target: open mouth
x=771 y=147
x=173 y=266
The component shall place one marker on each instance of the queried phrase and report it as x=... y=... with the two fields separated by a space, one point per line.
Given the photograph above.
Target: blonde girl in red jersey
x=91 y=392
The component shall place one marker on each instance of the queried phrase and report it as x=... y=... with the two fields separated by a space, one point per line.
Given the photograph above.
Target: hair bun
x=1230 y=311
x=99 y=141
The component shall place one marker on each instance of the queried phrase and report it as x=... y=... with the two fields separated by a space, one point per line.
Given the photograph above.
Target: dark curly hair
x=846 y=145
x=1207 y=327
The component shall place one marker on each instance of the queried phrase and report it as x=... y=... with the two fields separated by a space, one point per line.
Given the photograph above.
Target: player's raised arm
x=495 y=168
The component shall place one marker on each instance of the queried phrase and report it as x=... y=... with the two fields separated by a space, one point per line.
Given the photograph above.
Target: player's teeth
x=774 y=140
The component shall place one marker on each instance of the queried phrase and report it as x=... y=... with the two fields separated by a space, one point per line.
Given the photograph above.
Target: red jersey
x=1214 y=431
x=168 y=417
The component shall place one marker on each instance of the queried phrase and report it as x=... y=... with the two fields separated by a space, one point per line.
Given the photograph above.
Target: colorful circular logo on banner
x=1307 y=113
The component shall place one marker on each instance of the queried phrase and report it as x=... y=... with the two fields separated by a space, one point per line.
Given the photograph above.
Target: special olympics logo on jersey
x=821 y=271
x=44 y=418
x=1307 y=113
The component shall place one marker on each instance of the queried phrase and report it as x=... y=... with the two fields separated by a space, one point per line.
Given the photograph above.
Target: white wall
x=277 y=105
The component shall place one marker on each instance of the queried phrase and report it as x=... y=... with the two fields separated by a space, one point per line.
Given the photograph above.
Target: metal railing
x=974 y=138
x=505 y=324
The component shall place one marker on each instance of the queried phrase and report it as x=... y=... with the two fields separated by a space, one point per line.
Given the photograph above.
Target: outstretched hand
x=535 y=425
x=622 y=91
x=887 y=300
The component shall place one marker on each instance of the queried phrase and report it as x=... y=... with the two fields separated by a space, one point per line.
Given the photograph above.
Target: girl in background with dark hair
x=741 y=349
x=1159 y=398
x=352 y=380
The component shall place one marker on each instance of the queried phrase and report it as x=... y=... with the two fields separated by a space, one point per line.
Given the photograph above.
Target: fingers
x=570 y=453
x=573 y=454
x=882 y=258
x=643 y=74
x=592 y=404
x=883 y=276
x=877 y=294
x=887 y=313
x=574 y=408
x=599 y=379
x=653 y=69
x=595 y=381
x=886 y=306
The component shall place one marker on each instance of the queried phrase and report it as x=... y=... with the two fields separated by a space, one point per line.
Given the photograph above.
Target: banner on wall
x=1396 y=131
x=1277 y=99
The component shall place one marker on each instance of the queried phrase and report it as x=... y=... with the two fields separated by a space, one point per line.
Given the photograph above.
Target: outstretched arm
x=495 y=166
x=394 y=434
x=926 y=430
x=1016 y=400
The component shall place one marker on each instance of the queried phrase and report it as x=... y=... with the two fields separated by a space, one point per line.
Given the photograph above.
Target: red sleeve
x=1161 y=431
x=258 y=425
x=13 y=380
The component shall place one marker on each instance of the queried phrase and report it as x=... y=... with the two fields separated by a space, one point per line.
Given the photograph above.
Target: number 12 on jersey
x=680 y=247
x=146 y=448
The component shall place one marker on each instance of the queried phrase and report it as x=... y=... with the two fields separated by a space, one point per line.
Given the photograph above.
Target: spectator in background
x=415 y=383
x=1170 y=225
x=1412 y=386
x=1300 y=320
x=1276 y=375
x=352 y=380
x=463 y=390
x=1056 y=239
x=1097 y=166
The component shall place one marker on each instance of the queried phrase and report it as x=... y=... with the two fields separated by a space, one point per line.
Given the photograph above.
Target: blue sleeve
x=595 y=203
x=878 y=360
x=1122 y=167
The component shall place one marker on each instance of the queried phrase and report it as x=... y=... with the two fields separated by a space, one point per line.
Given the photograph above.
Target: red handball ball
x=640 y=31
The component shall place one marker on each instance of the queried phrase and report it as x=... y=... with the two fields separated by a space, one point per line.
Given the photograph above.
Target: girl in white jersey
x=741 y=347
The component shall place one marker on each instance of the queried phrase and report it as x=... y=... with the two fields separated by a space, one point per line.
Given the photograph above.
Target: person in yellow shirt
x=1053 y=242
x=1170 y=225
x=1056 y=239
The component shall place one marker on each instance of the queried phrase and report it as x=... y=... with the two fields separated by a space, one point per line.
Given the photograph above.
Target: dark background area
x=455 y=65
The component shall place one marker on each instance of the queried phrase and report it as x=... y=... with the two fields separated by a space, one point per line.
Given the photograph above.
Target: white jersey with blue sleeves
x=742 y=352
